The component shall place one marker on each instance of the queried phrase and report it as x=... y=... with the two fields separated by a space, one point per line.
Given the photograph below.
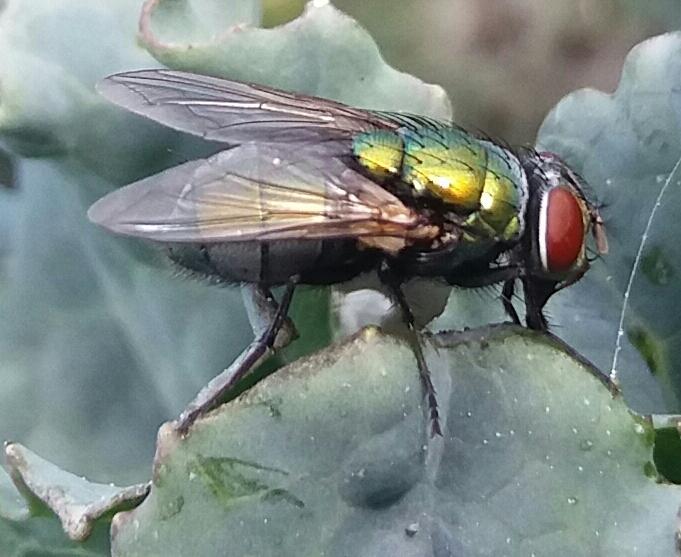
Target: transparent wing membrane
x=256 y=192
x=234 y=112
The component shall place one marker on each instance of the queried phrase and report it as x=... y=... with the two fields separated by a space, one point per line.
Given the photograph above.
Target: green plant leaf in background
x=42 y=535
x=79 y=504
x=665 y=12
x=323 y=52
x=538 y=457
x=12 y=504
x=628 y=147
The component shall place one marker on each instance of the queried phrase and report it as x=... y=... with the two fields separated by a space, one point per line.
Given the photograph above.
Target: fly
x=312 y=191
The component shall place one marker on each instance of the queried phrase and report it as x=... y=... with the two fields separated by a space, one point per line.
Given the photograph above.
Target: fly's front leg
x=389 y=279
x=272 y=332
x=507 y=300
x=537 y=293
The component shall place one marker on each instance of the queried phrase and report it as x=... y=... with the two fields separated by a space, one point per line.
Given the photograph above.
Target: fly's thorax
x=504 y=196
x=380 y=152
x=476 y=179
x=446 y=163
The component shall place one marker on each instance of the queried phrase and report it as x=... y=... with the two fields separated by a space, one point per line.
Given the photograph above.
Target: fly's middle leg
x=272 y=331
x=393 y=283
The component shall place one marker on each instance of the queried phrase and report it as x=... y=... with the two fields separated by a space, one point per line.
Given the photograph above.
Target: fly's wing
x=234 y=112
x=256 y=192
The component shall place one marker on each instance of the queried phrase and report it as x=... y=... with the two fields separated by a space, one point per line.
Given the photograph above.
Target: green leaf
x=667 y=453
x=7 y=170
x=665 y=14
x=628 y=146
x=23 y=534
x=44 y=537
x=53 y=55
x=331 y=456
x=12 y=504
x=79 y=504
x=323 y=52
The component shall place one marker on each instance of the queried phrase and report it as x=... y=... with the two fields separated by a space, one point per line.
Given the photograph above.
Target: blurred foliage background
x=100 y=344
x=505 y=63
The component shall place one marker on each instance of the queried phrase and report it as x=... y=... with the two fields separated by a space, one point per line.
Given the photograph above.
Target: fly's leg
x=268 y=320
x=262 y=310
x=414 y=339
x=507 y=300
x=537 y=293
x=424 y=372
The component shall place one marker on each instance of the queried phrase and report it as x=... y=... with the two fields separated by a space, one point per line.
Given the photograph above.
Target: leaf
x=43 y=536
x=79 y=504
x=12 y=505
x=54 y=53
x=7 y=171
x=667 y=452
x=628 y=146
x=101 y=340
x=331 y=456
x=25 y=531
x=323 y=52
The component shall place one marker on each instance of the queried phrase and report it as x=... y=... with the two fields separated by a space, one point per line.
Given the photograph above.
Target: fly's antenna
x=598 y=231
x=593 y=255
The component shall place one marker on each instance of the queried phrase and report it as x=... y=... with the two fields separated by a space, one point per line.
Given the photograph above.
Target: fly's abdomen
x=274 y=262
x=474 y=177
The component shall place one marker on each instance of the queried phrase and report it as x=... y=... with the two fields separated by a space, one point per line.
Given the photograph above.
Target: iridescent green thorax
x=479 y=179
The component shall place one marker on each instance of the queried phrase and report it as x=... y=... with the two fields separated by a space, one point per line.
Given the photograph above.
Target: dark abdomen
x=275 y=262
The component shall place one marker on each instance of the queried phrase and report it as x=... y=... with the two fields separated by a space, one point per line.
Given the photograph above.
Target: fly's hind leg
x=272 y=331
x=414 y=338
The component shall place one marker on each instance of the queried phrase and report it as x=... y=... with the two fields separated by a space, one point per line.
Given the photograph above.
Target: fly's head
x=560 y=218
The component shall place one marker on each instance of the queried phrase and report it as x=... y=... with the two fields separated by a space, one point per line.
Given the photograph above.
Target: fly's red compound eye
x=561 y=230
